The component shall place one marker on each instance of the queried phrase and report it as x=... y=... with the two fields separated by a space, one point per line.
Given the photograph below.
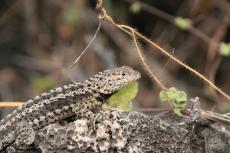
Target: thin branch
x=104 y=16
x=10 y=104
x=89 y=44
x=149 y=71
x=163 y=15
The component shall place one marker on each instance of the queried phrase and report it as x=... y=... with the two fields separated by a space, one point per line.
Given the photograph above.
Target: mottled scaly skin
x=17 y=130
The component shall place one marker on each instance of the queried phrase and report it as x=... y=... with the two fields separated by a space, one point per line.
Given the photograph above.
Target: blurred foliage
x=135 y=8
x=42 y=83
x=109 y=7
x=182 y=23
x=71 y=17
x=225 y=49
x=122 y=99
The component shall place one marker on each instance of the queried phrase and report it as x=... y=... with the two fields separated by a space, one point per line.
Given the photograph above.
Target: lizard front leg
x=7 y=137
x=87 y=107
x=24 y=137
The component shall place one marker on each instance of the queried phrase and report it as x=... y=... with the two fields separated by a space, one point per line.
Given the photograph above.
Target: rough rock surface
x=131 y=132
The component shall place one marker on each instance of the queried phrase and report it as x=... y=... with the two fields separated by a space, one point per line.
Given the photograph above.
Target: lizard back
x=102 y=84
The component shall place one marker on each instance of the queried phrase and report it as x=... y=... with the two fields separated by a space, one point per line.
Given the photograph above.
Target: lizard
x=17 y=130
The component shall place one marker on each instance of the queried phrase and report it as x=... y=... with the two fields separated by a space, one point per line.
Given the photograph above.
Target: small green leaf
x=178 y=98
x=121 y=99
x=224 y=49
x=181 y=96
x=172 y=93
x=181 y=104
x=135 y=8
x=71 y=17
x=164 y=96
x=182 y=23
x=177 y=111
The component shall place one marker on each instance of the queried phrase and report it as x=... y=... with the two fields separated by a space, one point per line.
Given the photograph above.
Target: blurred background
x=40 y=39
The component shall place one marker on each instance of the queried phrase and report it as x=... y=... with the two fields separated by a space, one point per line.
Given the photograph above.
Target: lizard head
x=112 y=80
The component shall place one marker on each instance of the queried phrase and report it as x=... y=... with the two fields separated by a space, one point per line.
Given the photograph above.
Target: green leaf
x=71 y=17
x=181 y=104
x=172 y=93
x=135 y=8
x=224 y=49
x=182 y=23
x=121 y=99
x=164 y=96
x=178 y=98
x=177 y=111
x=181 y=96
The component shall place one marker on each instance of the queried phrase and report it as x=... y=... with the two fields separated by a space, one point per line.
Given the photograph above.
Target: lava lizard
x=17 y=130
